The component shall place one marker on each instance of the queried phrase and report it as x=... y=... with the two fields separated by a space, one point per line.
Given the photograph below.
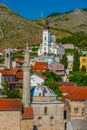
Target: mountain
x=74 y=21
x=15 y=31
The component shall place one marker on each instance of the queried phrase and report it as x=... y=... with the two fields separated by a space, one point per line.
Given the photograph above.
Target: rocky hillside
x=15 y=31
x=74 y=21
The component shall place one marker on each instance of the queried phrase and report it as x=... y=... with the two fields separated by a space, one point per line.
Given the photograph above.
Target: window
x=44 y=38
x=44 y=43
x=76 y=110
x=44 y=48
x=51 y=120
x=82 y=110
x=39 y=120
x=45 y=110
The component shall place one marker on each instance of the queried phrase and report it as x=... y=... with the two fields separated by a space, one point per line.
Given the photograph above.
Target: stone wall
x=10 y=120
x=27 y=124
x=52 y=119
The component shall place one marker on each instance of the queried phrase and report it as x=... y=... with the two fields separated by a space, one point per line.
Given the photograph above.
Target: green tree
x=64 y=60
x=52 y=75
x=83 y=69
x=54 y=86
x=79 y=78
x=14 y=93
x=76 y=63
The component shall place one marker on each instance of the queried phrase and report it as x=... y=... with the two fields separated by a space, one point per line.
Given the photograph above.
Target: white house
x=37 y=79
x=49 y=45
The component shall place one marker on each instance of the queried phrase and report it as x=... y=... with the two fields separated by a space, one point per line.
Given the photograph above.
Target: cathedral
x=49 y=45
x=39 y=108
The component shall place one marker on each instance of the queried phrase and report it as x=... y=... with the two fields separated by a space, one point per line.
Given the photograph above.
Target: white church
x=49 y=45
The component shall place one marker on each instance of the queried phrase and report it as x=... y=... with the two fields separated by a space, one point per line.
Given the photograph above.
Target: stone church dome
x=42 y=91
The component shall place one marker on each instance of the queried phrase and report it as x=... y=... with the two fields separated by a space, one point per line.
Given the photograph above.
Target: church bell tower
x=8 y=58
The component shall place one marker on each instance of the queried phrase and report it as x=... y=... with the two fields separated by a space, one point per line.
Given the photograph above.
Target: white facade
x=48 y=45
x=35 y=80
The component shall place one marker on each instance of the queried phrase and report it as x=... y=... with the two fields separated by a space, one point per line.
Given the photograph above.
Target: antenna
x=41 y=14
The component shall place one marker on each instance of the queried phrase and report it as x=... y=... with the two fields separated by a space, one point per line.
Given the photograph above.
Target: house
x=75 y=98
x=7 y=75
x=69 y=46
x=70 y=59
x=49 y=46
x=37 y=79
x=47 y=58
x=83 y=62
x=57 y=68
x=18 y=62
x=40 y=66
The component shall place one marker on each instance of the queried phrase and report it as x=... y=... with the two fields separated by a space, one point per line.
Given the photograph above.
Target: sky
x=34 y=9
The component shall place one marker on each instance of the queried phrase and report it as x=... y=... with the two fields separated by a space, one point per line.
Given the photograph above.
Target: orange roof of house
x=10 y=104
x=75 y=93
x=15 y=69
x=40 y=66
x=14 y=82
x=19 y=60
x=27 y=113
x=7 y=72
x=19 y=75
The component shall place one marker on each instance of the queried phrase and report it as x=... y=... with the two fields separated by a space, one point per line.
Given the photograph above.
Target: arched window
x=45 y=110
x=52 y=120
x=76 y=110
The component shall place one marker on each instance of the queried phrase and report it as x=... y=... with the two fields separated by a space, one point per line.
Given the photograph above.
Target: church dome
x=42 y=91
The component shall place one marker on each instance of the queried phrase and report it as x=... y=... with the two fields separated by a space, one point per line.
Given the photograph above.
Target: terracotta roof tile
x=27 y=113
x=15 y=69
x=40 y=66
x=10 y=104
x=75 y=93
x=19 y=75
x=19 y=60
x=14 y=82
x=7 y=72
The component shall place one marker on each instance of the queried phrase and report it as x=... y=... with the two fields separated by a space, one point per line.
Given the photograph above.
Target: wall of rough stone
x=10 y=120
x=43 y=121
x=27 y=124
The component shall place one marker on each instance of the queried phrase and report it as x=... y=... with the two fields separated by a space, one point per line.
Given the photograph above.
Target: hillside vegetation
x=15 y=31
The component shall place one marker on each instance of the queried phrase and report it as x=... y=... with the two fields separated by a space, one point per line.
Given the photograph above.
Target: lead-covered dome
x=42 y=91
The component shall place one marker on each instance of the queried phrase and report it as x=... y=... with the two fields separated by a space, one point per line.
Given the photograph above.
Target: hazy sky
x=33 y=9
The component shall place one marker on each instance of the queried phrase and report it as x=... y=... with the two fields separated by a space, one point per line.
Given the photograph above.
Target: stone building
x=83 y=62
x=39 y=109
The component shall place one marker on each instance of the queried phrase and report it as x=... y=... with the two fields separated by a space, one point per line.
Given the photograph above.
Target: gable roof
x=7 y=72
x=40 y=66
x=56 y=65
x=10 y=104
x=75 y=93
x=27 y=113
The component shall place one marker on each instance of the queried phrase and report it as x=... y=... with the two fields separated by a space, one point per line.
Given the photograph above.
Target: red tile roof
x=7 y=72
x=40 y=66
x=19 y=75
x=15 y=69
x=14 y=82
x=10 y=104
x=75 y=93
x=19 y=60
x=27 y=113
